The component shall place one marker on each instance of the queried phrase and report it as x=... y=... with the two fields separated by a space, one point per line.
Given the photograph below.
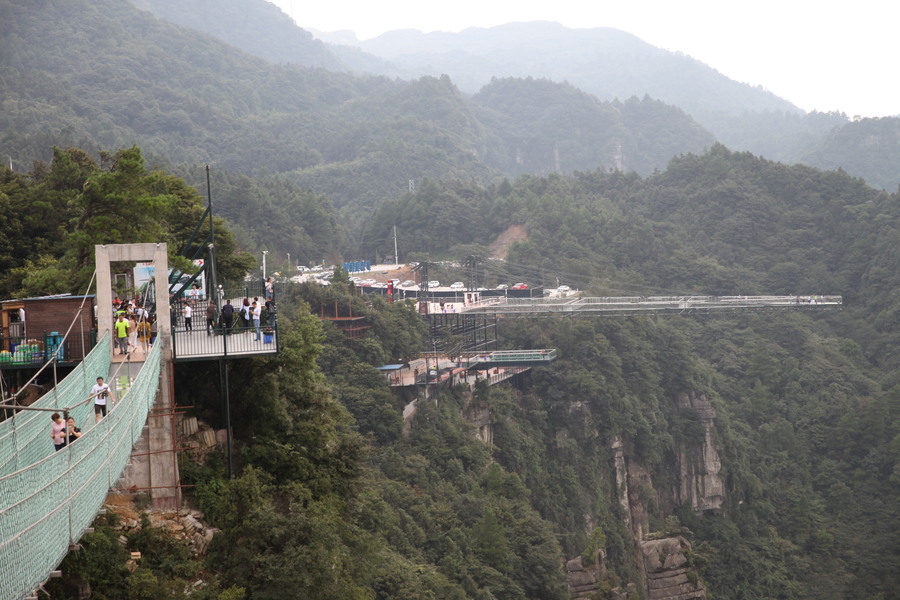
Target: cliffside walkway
x=48 y=498
x=633 y=305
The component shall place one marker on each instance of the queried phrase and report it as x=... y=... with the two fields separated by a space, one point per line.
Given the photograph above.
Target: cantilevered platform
x=575 y=306
x=240 y=343
x=507 y=358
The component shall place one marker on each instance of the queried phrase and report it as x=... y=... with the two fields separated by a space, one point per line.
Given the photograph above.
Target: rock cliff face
x=668 y=574
x=479 y=415
x=588 y=582
x=583 y=580
x=699 y=483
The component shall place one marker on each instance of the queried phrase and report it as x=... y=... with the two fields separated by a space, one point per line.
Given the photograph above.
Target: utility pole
x=396 y=256
x=424 y=299
x=217 y=296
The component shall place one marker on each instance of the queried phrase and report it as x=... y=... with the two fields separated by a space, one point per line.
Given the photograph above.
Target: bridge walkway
x=632 y=305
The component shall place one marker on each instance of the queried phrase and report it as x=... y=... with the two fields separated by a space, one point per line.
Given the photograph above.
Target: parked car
x=563 y=288
x=519 y=286
x=407 y=283
x=434 y=283
x=457 y=285
x=502 y=286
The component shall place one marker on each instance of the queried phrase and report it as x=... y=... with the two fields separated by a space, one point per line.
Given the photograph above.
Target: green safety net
x=45 y=505
x=25 y=437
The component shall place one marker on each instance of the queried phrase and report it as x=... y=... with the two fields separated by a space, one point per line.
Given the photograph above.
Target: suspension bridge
x=48 y=498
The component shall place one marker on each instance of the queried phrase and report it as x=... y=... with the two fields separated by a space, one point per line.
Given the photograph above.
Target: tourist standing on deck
x=188 y=316
x=210 y=318
x=245 y=314
x=256 y=313
x=228 y=316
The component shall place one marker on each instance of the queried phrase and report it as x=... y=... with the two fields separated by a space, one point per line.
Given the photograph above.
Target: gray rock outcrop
x=669 y=574
x=699 y=482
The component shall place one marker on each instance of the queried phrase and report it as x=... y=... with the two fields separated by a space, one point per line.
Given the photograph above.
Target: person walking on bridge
x=72 y=432
x=122 y=334
x=101 y=394
x=58 y=431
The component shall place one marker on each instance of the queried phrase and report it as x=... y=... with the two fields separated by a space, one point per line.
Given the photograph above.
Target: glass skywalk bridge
x=632 y=305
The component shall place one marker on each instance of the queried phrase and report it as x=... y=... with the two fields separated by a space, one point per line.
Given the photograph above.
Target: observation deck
x=508 y=358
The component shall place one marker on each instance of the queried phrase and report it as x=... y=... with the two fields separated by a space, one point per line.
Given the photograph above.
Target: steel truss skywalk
x=633 y=305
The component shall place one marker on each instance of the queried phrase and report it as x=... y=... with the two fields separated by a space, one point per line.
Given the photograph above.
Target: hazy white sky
x=821 y=55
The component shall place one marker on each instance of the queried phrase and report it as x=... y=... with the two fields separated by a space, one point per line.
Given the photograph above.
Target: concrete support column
x=156 y=469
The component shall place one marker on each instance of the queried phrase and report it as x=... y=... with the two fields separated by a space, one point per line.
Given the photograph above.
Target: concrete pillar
x=156 y=471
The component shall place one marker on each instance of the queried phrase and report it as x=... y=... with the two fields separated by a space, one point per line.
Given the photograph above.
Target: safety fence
x=25 y=436
x=46 y=506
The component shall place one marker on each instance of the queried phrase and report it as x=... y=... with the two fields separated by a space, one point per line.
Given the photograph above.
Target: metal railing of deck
x=219 y=341
x=196 y=344
x=508 y=357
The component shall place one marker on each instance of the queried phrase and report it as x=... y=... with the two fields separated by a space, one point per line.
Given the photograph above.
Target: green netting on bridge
x=46 y=506
x=25 y=437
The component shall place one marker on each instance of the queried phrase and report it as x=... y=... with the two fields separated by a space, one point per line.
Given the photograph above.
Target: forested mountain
x=544 y=127
x=604 y=62
x=264 y=31
x=612 y=64
x=187 y=98
x=876 y=151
